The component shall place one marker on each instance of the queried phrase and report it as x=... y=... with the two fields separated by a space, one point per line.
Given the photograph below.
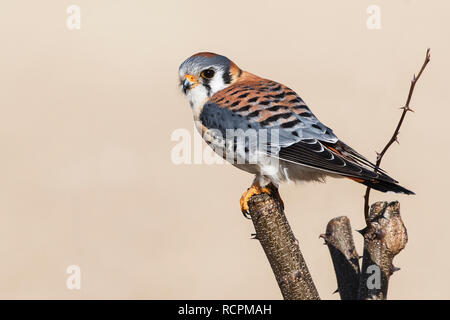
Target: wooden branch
x=281 y=248
x=338 y=237
x=384 y=238
x=394 y=137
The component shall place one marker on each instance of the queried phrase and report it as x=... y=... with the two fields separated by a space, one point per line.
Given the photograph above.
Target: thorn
x=362 y=231
x=407 y=108
x=254 y=236
x=394 y=269
x=324 y=237
x=378 y=155
x=336 y=291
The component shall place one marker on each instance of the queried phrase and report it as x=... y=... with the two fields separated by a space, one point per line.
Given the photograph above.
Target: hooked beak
x=189 y=82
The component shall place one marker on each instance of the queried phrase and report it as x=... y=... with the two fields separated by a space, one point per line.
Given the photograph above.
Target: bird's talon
x=246 y=214
x=252 y=191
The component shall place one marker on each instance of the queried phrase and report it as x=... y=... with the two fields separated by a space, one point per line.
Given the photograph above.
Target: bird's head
x=204 y=74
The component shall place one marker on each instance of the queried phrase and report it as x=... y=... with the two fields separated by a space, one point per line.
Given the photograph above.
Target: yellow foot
x=252 y=191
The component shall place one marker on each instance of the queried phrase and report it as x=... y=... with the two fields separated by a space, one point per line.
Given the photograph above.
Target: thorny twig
x=393 y=139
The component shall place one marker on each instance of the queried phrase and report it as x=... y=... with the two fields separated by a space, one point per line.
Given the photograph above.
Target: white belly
x=284 y=172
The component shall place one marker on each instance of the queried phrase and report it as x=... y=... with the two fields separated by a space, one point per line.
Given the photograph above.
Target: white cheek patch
x=197 y=97
x=217 y=83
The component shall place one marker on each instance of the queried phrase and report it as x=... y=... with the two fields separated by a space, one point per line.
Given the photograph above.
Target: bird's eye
x=208 y=73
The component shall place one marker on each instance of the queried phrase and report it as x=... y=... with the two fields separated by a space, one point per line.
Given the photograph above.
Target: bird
x=287 y=142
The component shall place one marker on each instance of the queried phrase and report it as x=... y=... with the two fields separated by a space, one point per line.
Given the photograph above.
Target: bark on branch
x=384 y=238
x=281 y=248
x=338 y=237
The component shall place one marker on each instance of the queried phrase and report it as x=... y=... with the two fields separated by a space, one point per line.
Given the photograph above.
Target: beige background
x=85 y=134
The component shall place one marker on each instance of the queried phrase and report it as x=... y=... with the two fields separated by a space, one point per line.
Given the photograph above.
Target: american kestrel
x=226 y=99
